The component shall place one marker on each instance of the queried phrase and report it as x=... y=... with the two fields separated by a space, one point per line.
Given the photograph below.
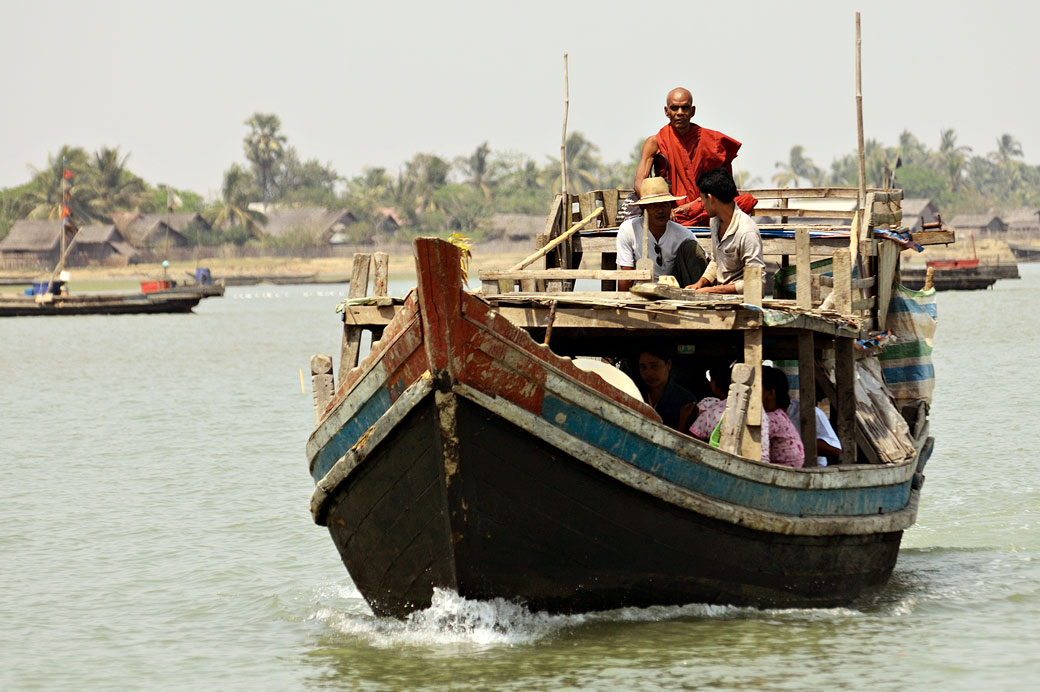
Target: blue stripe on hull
x=666 y=464
x=378 y=404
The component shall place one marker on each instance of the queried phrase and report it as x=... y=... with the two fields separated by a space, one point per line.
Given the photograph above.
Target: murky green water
x=154 y=531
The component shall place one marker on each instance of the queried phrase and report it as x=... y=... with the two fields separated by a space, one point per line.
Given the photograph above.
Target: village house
x=516 y=227
x=980 y=224
x=312 y=226
x=1024 y=221
x=147 y=231
x=918 y=211
x=101 y=243
x=32 y=243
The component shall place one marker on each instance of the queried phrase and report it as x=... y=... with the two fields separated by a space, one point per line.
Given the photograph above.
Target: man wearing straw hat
x=672 y=247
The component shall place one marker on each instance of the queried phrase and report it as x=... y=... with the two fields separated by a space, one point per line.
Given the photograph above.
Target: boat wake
x=452 y=621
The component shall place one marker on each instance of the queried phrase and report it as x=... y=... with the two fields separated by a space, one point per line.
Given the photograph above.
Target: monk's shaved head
x=679 y=94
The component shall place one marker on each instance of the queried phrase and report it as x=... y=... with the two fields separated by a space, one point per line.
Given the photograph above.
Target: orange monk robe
x=697 y=152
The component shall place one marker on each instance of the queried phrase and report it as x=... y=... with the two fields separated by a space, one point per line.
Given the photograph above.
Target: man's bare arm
x=646 y=162
x=624 y=284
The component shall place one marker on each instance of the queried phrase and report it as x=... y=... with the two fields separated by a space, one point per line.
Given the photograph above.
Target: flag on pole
x=65 y=212
x=67 y=174
x=173 y=200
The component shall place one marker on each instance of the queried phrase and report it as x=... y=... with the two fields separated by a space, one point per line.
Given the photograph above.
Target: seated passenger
x=781 y=441
x=711 y=408
x=735 y=240
x=828 y=446
x=674 y=249
x=671 y=401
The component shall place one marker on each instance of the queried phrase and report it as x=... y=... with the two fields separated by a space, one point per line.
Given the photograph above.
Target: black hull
x=523 y=520
x=103 y=305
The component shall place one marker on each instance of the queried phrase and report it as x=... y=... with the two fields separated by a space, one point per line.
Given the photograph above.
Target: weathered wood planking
x=751 y=447
x=807 y=396
x=351 y=346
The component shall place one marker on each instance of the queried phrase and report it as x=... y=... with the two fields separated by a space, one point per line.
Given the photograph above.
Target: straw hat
x=655 y=190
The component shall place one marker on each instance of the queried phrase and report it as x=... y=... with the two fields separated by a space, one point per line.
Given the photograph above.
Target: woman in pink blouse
x=784 y=441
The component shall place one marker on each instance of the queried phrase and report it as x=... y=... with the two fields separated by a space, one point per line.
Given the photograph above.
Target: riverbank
x=492 y=255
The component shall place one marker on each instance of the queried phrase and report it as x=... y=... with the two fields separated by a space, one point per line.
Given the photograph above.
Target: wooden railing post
x=322 y=385
x=842 y=281
x=807 y=395
x=751 y=445
x=732 y=433
x=352 y=334
x=803 y=269
x=845 y=398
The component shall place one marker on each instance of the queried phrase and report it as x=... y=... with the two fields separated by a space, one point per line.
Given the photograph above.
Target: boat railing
x=841 y=263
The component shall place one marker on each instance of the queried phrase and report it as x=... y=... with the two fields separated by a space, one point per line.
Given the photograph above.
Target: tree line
x=431 y=195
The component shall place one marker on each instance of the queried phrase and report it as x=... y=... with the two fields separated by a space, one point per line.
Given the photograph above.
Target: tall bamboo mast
x=563 y=141
x=61 y=214
x=861 y=219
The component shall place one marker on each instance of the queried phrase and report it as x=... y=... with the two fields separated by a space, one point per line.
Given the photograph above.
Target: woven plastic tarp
x=906 y=363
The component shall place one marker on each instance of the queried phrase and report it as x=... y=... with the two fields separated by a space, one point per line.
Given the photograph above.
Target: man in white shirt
x=828 y=446
x=735 y=240
x=672 y=247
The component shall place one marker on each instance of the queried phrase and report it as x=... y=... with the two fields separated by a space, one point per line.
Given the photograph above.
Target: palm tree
x=1008 y=149
x=952 y=157
x=797 y=167
x=583 y=165
x=264 y=147
x=44 y=197
x=113 y=186
x=479 y=170
x=427 y=173
x=233 y=209
x=912 y=151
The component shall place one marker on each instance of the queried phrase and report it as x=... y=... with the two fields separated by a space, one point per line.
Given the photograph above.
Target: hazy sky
x=372 y=83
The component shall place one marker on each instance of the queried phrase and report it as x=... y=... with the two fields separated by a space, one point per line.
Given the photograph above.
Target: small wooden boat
x=99 y=303
x=1025 y=252
x=469 y=452
x=959 y=275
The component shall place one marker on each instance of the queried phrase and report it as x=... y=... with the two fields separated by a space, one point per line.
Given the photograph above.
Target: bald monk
x=681 y=151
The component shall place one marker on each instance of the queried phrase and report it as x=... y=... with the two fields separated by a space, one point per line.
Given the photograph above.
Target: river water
x=154 y=531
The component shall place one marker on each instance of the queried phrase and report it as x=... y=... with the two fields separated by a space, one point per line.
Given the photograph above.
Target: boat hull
x=518 y=518
x=101 y=304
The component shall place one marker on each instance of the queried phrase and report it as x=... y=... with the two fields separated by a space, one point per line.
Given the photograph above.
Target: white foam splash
x=452 y=621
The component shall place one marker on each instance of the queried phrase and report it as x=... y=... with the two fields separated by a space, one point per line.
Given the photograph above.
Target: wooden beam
x=843 y=281
x=562 y=274
x=751 y=446
x=803 y=270
x=818 y=247
x=807 y=396
x=794 y=212
x=845 y=398
x=888 y=261
x=351 y=345
x=380 y=273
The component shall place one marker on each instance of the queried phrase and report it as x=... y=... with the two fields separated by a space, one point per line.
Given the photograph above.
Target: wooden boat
x=468 y=452
x=1025 y=252
x=99 y=303
x=959 y=275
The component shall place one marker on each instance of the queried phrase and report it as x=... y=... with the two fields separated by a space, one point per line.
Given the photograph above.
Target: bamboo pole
x=556 y=241
x=860 y=220
x=563 y=142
